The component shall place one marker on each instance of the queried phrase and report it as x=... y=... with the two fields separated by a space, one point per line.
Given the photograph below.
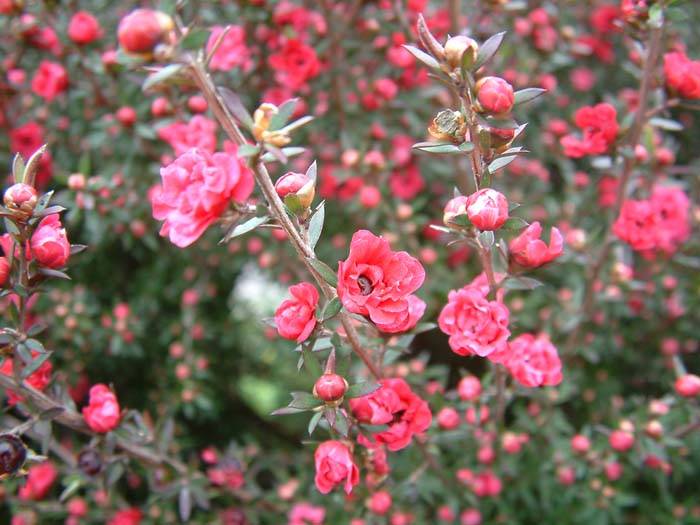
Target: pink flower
x=495 y=95
x=131 y=516
x=232 y=51
x=530 y=251
x=196 y=189
x=534 y=361
x=4 y=270
x=335 y=465
x=688 y=385
x=379 y=502
x=199 y=132
x=306 y=514
x=294 y=64
x=39 y=480
x=469 y=388
x=599 y=126
x=26 y=139
x=49 y=242
x=83 y=28
x=621 y=440
x=377 y=282
x=476 y=326
x=396 y=405
x=406 y=183
x=487 y=209
x=682 y=74
x=102 y=414
x=660 y=223
x=50 y=80
x=295 y=318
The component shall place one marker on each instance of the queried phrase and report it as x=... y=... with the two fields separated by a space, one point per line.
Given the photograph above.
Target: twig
x=262 y=177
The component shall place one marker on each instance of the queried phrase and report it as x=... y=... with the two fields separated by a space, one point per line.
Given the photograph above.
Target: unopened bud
x=297 y=190
x=21 y=199
x=142 y=30
x=455 y=49
x=454 y=208
x=330 y=388
x=261 y=126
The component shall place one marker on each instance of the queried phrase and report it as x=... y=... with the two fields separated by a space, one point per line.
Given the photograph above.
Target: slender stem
x=262 y=177
x=74 y=420
x=632 y=139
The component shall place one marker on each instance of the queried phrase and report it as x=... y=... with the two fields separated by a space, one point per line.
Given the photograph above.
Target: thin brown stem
x=262 y=177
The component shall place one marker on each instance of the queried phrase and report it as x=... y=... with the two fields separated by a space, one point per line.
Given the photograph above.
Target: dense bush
x=469 y=260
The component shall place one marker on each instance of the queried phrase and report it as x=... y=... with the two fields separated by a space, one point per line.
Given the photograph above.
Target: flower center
x=365 y=285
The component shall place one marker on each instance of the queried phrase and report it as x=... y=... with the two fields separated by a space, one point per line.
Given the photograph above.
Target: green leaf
x=526 y=95
x=184 y=503
x=501 y=163
x=35 y=345
x=286 y=411
x=304 y=401
x=18 y=168
x=35 y=364
x=316 y=224
x=314 y=421
x=361 y=389
x=311 y=363
x=284 y=113
x=324 y=271
x=11 y=227
x=72 y=487
x=195 y=39
x=488 y=49
x=235 y=106
x=422 y=56
x=331 y=309
x=466 y=147
x=341 y=422
x=312 y=171
x=515 y=224
x=486 y=239
x=245 y=227
x=521 y=283
x=166 y=74
x=437 y=147
x=666 y=123
x=50 y=272
x=248 y=150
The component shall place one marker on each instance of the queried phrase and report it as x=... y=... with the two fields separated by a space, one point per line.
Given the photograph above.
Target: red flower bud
x=487 y=209
x=84 y=28
x=330 y=387
x=296 y=188
x=21 y=199
x=143 y=29
x=621 y=441
x=457 y=46
x=49 y=243
x=688 y=385
x=495 y=95
x=454 y=208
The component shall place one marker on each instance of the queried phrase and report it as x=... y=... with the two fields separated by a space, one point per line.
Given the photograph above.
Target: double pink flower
x=378 y=283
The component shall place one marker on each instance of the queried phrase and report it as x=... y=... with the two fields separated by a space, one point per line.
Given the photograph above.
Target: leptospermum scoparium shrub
x=460 y=236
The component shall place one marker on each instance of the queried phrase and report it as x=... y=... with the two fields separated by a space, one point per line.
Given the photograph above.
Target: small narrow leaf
x=247 y=150
x=314 y=421
x=526 y=95
x=521 y=283
x=331 y=309
x=501 y=163
x=166 y=74
x=422 y=56
x=184 y=503
x=195 y=39
x=488 y=49
x=466 y=147
x=236 y=107
x=666 y=123
x=35 y=364
x=486 y=239
x=245 y=227
x=436 y=147
x=361 y=389
x=284 y=113
x=18 y=168
x=515 y=223
x=311 y=171
x=324 y=271
x=303 y=400
x=341 y=422
x=316 y=224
